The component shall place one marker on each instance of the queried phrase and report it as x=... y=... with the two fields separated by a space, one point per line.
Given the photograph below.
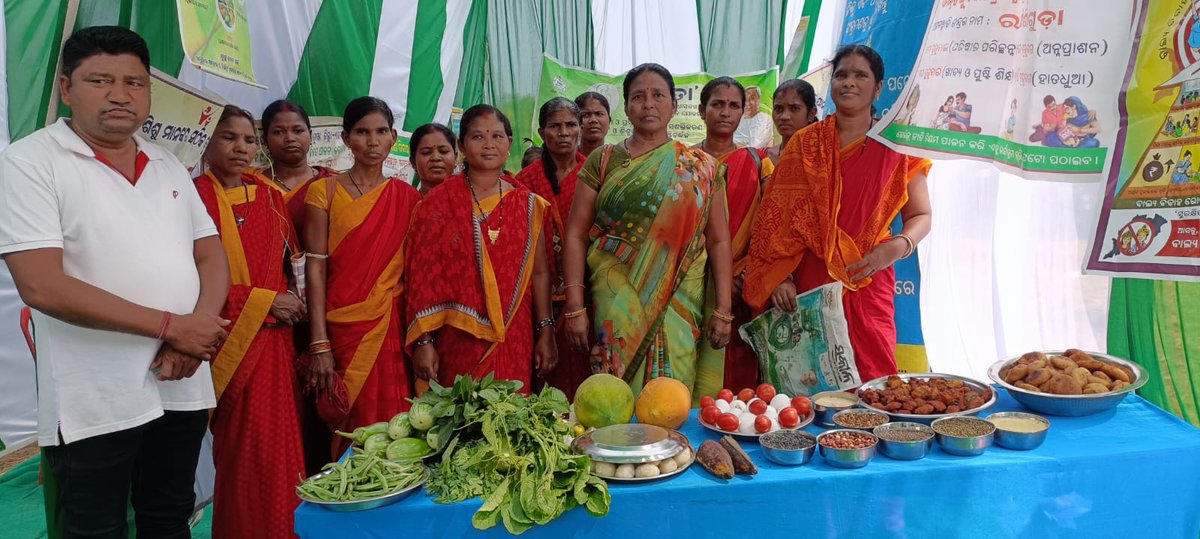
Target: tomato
x=728 y=422
x=725 y=395
x=762 y=424
x=707 y=401
x=766 y=392
x=710 y=413
x=745 y=395
x=802 y=405
x=789 y=418
x=757 y=407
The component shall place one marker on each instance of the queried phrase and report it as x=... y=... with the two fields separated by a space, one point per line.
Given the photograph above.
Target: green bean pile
x=361 y=477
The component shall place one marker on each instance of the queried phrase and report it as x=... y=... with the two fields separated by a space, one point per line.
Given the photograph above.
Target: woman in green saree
x=648 y=222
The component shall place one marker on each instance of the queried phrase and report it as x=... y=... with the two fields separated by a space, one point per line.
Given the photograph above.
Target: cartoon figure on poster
x=960 y=115
x=1183 y=169
x=910 y=107
x=1010 y=124
x=942 y=119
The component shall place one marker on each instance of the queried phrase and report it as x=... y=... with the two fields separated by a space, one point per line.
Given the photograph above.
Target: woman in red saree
x=479 y=286
x=722 y=101
x=288 y=134
x=433 y=155
x=553 y=177
x=256 y=430
x=826 y=213
x=355 y=233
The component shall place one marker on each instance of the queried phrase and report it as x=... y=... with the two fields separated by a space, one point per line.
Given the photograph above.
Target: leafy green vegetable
x=510 y=450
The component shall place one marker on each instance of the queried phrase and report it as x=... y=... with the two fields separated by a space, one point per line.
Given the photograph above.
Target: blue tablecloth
x=1130 y=472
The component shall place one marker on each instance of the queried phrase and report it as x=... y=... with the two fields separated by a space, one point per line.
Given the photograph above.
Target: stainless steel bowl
x=847 y=458
x=824 y=414
x=788 y=457
x=1021 y=441
x=839 y=417
x=904 y=450
x=632 y=443
x=964 y=446
x=1070 y=405
x=927 y=419
x=365 y=504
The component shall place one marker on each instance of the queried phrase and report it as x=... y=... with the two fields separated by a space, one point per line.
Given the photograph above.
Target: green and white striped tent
x=422 y=56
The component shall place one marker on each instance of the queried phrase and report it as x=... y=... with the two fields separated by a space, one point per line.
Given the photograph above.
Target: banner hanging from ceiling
x=216 y=37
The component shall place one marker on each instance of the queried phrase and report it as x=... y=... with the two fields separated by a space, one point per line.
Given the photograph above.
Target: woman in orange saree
x=355 y=241
x=479 y=286
x=746 y=172
x=553 y=177
x=256 y=431
x=826 y=213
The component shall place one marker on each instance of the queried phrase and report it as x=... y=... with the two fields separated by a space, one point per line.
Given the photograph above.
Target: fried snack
x=1080 y=375
x=1104 y=378
x=1063 y=384
x=1015 y=373
x=1116 y=373
x=1063 y=364
x=1026 y=387
x=1094 y=388
x=1037 y=377
x=1118 y=384
x=1039 y=364
x=1031 y=357
x=924 y=396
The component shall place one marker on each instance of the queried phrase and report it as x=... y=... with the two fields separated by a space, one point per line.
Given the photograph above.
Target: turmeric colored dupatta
x=475 y=294
x=362 y=293
x=253 y=373
x=255 y=253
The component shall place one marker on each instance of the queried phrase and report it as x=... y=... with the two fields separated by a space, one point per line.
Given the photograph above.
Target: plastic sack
x=808 y=351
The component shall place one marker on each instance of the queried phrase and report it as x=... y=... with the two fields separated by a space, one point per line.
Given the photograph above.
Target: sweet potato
x=715 y=459
x=742 y=465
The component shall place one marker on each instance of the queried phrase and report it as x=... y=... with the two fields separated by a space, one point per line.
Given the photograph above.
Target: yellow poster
x=181 y=119
x=216 y=37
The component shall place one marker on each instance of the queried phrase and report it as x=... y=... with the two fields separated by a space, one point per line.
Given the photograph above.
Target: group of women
x=352 y=290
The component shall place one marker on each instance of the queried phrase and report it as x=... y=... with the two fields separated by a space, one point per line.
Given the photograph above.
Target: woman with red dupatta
x=355 y=233
x=826 y=215
x=288 y=134
x=479 y=285
x=256 y=429
x=553 y=177
x=722 y=101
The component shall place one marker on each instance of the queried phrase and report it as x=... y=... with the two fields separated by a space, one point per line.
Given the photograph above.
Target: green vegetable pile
x=510 y=450
x=396 y=440
x=361 y=477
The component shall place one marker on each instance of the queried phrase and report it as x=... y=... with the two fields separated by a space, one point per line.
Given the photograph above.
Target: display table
x=1130 y=472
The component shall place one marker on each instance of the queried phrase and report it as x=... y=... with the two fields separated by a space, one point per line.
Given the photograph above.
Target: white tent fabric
x=3 y=83
x=1001 y=268
x=275 y=49
x=627 y=33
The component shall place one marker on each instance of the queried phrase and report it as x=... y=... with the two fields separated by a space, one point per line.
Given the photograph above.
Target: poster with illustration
x=1029 y=85
x=216 y=38
x=1149 y=223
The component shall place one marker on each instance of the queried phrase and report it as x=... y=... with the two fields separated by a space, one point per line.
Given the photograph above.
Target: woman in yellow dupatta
x=356 y=261
x=648 y=221
x=827 y=211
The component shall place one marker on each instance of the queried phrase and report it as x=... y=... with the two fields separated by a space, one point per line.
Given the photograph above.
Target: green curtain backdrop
x=518 y=33
x=472 y=79
x=350 y=27
x=756 y=27
x=1157 y=324
x=34 y=54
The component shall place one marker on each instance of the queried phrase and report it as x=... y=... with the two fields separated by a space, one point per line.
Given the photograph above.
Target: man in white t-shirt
x=107 y=240
x=756 y=129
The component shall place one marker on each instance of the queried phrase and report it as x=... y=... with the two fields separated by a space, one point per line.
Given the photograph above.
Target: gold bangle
x=573 y=285
x=316 y=256
x=574 y=314
x=910 y=245
x=722 y=315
